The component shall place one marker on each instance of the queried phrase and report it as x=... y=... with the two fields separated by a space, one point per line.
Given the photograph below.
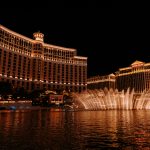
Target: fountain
x=112 y=99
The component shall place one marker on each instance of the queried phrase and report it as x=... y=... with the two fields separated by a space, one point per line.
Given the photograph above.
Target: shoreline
x=27 y=105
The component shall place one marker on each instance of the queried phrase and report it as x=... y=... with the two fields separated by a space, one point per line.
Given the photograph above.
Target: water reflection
x=85 y=130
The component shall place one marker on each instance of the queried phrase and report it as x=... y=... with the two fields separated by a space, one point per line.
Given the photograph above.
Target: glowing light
x=109 y=99
x=25 y=51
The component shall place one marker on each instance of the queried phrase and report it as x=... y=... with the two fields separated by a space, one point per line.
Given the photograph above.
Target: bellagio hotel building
x=33 y=64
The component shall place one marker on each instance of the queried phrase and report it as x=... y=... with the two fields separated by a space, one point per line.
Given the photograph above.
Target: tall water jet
x=112 y=99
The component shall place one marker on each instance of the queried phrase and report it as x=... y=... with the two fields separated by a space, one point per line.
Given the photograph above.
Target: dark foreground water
x=83 y=130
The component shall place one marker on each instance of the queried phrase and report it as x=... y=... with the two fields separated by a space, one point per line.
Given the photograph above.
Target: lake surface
x=45 y=129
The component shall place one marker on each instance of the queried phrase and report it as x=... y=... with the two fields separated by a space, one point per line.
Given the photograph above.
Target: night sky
x=108 y=39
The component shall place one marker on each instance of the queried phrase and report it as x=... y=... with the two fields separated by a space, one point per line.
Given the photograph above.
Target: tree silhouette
x=5 y=88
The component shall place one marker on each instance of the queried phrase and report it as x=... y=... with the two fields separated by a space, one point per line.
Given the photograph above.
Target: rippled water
x=82 y=130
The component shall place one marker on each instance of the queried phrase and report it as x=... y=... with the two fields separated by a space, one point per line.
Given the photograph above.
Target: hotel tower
x=136 y=76
x=33 y=64
x=102 y=82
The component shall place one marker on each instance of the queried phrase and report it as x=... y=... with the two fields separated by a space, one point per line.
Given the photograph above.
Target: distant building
x=136 y=76
x=55 y=99
x=101 y=82
x=33 y=64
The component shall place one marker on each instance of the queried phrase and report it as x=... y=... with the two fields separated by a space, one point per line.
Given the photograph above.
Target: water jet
x=98 y=99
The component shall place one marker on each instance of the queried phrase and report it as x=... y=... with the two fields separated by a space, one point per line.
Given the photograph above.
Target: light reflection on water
x=84 y=130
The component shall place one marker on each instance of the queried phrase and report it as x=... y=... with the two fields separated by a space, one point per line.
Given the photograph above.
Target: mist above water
x=112 y=99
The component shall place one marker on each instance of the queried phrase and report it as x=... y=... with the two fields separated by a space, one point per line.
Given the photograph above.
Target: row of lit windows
x=59 y=53
x=64 y=60
x=136 y=81
x=102 y=85
x=100 y=78
x=14 y=39
x=32 y=86
x=49 y=58
x=36 y=73
x=24 y=46
x=134 y=69
x=11 y=39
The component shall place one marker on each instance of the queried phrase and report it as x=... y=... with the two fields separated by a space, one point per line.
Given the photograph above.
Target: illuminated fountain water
x=112 y=99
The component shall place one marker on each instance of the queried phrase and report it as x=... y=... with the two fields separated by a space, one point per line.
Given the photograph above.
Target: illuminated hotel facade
x=136 y=76
x=33 y=64
x=101 y=82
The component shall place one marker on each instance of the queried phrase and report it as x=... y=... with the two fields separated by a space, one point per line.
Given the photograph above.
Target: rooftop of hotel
x=34 y=40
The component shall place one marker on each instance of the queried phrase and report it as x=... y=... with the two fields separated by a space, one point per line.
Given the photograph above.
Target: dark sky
x=109 y=40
